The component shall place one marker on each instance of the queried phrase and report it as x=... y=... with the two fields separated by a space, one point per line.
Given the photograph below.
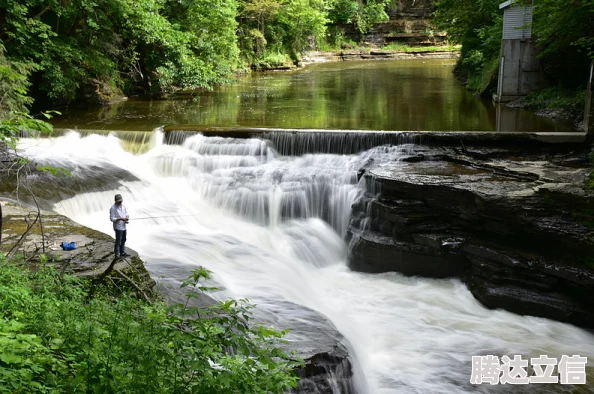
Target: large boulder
x=317 y=341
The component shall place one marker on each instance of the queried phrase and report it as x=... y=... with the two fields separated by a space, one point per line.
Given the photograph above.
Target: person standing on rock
x=119 y=216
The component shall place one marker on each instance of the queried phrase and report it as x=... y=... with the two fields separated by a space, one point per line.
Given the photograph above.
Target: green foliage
x=477 y=25
x=274 y=26
x=393 y=46
x=14 y=84
x=343 y=11
x=14 y=116
x=363 y=14
x=335 y=40
x=369 y=13
x=562 y=29
x=56 y=337
x=484 y=76
x=272 y=60
x=156 y=43
x=565 y=38
x=557 y=97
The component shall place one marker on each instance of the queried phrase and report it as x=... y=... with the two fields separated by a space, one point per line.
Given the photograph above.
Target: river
x=413 y=95
x=271 y=229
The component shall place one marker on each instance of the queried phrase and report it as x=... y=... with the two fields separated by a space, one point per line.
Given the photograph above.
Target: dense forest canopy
x=142 y=46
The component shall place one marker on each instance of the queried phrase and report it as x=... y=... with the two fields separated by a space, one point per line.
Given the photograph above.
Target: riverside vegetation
x=563 y=31
x=71 y=49
x=59 y=333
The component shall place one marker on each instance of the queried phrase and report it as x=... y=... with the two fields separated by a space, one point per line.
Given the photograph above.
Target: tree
x=477 y=26
x=14 y=114
x=564 y=34
x=158 y=44
x=275 y=26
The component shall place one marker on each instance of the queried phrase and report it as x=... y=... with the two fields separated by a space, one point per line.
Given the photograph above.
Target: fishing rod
x=161 y=217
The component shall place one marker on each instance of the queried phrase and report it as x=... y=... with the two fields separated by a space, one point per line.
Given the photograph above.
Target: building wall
x=519 y=71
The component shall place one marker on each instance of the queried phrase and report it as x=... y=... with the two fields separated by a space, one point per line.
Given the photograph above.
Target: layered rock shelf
x=91 y=258
x=517 y=227
x=376 y=54
x=409 y=24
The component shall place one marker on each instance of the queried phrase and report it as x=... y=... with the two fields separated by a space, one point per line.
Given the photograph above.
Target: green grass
x=556 y=97
x=58 y=336
x=272 y=60
x=480 y=81
x=340 y=44
x=407 y=48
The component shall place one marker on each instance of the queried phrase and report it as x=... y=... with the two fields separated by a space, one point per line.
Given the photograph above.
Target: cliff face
x=409 y=24
x=515 y=226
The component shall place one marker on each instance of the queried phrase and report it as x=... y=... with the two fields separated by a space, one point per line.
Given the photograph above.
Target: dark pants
x=120 y=242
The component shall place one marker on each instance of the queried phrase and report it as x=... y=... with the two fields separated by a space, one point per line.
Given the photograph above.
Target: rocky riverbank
x=26 y=233
x=311 y=335
x=572 y=114
x=515 y=225
x=363 y=54
x=377 y=54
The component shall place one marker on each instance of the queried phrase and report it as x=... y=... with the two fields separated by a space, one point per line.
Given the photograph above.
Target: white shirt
x=118 y=211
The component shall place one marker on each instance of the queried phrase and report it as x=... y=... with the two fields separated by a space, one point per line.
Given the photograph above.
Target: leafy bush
x=557 y=97
x=272 y=59
x=370 y=12
x=394 y=46
x=55 y=336
x=159 y=44
x=484 y=77
x=14 y=115
x=343 y=11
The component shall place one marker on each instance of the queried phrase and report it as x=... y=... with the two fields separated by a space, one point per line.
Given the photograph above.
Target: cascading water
x=271 y=229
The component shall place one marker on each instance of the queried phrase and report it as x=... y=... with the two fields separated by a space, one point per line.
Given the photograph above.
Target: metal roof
x=517 y=23
x=506 y=3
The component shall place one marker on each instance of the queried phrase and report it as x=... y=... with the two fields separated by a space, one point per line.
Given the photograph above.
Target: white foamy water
x=271 y=229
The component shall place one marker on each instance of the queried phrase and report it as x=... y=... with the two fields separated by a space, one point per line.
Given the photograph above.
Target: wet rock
x=499 y=279
x=95 y=91
x=93 y=254
x=314 y=338
x=519 y=230
x=311 y=336
x=50 y=188
x=377 y=253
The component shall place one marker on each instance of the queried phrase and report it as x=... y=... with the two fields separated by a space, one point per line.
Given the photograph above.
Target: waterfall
x=301 y=142
x=268 y=216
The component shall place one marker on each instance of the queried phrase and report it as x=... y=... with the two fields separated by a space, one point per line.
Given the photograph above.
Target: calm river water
x=359 y=95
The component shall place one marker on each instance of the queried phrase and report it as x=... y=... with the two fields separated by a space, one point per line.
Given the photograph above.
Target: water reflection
x=359 y=95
